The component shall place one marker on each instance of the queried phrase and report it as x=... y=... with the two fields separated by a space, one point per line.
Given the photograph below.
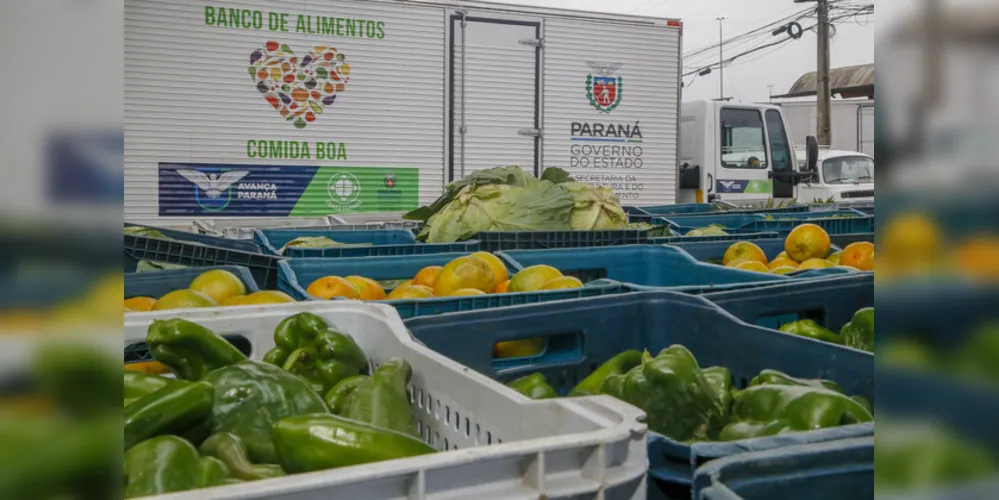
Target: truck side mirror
x=811 y=153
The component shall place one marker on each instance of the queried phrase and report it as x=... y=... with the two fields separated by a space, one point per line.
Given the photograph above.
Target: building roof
x=848 y=81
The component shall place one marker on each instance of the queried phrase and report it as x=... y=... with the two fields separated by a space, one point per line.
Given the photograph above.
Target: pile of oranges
x=480 y=273
x=213 y=288
x=806 y=247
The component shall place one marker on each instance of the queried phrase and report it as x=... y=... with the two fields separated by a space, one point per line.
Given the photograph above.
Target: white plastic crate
x=499 y=443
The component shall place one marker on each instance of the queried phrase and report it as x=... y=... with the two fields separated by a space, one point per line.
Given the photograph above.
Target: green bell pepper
x=229 y=449
x=618 y=365
x=316 y=442
x=766 y=410
x=859 y=332
x=810 y=329
x=672 y=390
x=337 y=396
x=774 y=377
x=534 y=386
x=720 y=379
x=140 y=384
x=382 y=399
x=165 y=464
x=173 y=409
x=251 y=396
x=190 y=350
x=305 y=346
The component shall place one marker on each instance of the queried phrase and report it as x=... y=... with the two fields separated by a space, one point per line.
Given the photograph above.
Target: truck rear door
x=494 y=100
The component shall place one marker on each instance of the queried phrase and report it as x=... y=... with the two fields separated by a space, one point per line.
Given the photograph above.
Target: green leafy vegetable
x=595 y=208
x=540 y=206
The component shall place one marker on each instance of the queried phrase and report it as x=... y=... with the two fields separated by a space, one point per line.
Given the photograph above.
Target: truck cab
x=740 y=153
x=846 y=176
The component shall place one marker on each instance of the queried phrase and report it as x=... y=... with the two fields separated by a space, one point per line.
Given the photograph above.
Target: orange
x=265 y=297
x=154 y=367
x=427 y=276
x=533 y=278
x=978 y=257
x=140 y=303
x=466 y=292
x=752 y=265
x=815 y=264
x=369 y=289
x=411 y=292
x=328 y=287
x=235 y=300
x=182 y=299
x=782 y=262
x=783 y=270
x=499 y=269
x=502 y=287
x=807 y=241
x=465 y=272
x=519 y=348
x=565 y=282
x=743 y=251
x=859 y=254
x=218 y=284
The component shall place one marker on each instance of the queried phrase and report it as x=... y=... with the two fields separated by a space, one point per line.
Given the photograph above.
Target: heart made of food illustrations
x=299 y=89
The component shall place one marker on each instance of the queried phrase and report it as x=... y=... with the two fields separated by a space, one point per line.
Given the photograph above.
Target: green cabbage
x=317 y=242
x=595 y=208
x=538 y=206
x=510 y=175
x=712 y=230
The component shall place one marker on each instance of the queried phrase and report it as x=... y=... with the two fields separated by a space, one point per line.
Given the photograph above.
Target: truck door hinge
x=534 y=42
x=531 y=132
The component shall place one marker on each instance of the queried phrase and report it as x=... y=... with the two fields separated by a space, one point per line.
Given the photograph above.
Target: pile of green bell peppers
x=858 y=333
x=688 y=403
x=222 y=418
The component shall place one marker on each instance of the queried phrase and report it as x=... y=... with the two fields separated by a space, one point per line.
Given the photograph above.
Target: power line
x=853 y=13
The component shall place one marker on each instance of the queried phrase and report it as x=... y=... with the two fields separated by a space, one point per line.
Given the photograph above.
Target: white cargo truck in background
x=852 y=123
x=258 y=110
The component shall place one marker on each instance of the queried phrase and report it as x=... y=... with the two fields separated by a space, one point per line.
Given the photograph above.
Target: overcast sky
x=747 y=79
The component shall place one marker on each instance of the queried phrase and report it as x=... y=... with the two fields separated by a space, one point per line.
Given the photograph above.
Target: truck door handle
x=711 y=183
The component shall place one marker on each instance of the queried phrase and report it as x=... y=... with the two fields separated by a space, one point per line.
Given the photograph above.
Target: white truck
x=257 y=110
x=852 y=122
x=839 y=176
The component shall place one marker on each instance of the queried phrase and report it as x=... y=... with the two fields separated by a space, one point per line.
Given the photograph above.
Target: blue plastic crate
x=159 y=283
x=202 y=239
x=682 y=208
x=830 y=302
x=642 y=265
x=297 y=274
x=495 y=241
x=784 y=223
x=582 y=334
x=737 y=235
x=271 y=240
x=822 y=471
x=685 y=223
x=136 y=248
x=777 y=210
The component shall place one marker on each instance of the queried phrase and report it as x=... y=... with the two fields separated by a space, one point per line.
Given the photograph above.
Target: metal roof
x=848 y=81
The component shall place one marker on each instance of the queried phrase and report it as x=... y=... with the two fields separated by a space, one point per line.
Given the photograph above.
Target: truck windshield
x=742 y=144
x=848 y=169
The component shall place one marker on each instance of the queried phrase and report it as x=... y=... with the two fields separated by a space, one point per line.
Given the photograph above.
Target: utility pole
x=823 y=92
x=721 y=57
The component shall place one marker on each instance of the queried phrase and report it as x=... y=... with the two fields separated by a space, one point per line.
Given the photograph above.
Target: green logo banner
x=335 y=190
